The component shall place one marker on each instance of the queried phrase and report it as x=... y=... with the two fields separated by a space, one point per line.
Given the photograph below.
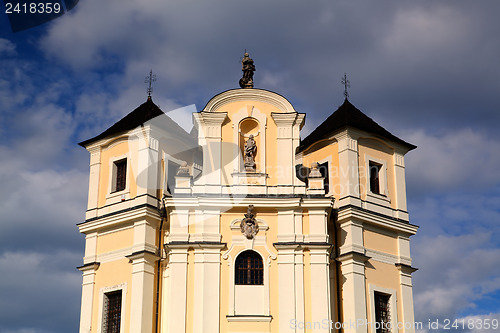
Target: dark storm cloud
x=413 y=62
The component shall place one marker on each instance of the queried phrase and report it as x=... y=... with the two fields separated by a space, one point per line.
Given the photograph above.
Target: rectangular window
x=112 y=312
x=375 y=177
x=120 y=175
x=382 y=312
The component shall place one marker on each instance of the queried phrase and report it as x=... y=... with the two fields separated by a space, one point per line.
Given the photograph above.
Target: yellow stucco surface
x=113 y=241
x=380 y=241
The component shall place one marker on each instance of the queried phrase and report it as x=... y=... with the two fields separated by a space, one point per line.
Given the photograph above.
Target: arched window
x=249 y=269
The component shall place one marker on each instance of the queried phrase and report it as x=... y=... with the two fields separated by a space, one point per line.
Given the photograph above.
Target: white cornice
x=115 y=220
x=219 y=202
x=350 y=213
x=253 y=94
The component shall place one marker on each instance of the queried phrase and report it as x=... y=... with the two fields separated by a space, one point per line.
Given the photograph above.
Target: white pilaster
x=400 y=186
x=179 y=223
x=88 y=283
x=209 y=125
x=353 y=291
x=286 y=225
x=95 y=169
x=286 y=286
x=318 y=219
x=299 y=288
x=207 y=288
x=147 y=163
x=142 y=293
x=348 y=170
x=176 y=293
x=406 y=289
x=286 y=151
x=320 y=288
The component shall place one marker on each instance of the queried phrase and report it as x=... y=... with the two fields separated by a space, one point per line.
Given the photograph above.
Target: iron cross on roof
x=150 y=79
x=347 y=84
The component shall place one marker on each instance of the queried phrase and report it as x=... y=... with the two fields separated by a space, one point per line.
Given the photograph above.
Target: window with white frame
x=374 y=172
x=119 y=175
x=112 y=308
x=112 y=312
x=376 y=178
x=383 y=309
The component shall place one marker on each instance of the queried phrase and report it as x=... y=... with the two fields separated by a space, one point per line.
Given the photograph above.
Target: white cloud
x=455 y=272
x=7 y=47
x=462 y=159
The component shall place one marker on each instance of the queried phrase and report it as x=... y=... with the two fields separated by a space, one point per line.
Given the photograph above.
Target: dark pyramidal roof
x=139 y=116
x=348 y=115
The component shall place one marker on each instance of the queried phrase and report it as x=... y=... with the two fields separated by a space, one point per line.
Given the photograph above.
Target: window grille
x=112 y=312
x=374 y=177
x=382 y=313
x=249 y=269
x=121 y=175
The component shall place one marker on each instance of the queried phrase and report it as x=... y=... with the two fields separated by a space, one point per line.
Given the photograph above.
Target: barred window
x=120 y=175
x=374 y=177
x=112 y=312
x=249 y=269
x=382 y=313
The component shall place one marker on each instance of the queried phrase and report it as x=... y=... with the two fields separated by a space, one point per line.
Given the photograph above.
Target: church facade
x=241 y=226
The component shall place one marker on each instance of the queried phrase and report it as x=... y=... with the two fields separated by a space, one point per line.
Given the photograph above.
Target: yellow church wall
x=108 y=275
x=116 y=240
x=380 y=241
x=114 y=151
x=382 y=275
x=371 y=148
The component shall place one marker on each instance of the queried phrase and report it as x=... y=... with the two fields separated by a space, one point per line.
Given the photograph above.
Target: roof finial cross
x=347 y=84
x=150 y=79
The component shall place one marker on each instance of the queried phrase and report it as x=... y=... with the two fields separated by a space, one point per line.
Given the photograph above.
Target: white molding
x=392 y=304
x=235 y=95
x=122 y=218
x=245 y=318
x=383 y=257
x=104 y=290
x=377 y=220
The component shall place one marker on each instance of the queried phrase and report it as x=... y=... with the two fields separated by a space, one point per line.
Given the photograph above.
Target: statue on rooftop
x=248 y=68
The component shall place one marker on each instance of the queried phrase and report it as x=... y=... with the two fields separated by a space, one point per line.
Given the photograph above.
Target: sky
x=427 y=71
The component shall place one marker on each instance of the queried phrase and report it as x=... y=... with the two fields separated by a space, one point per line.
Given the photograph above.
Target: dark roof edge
x=347 y=115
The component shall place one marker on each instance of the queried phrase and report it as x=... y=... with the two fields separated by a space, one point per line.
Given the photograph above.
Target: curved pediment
x=260 y=95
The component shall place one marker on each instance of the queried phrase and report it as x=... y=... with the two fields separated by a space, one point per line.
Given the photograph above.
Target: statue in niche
x=250 y=150
x=248 y=68
x=249 y=226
